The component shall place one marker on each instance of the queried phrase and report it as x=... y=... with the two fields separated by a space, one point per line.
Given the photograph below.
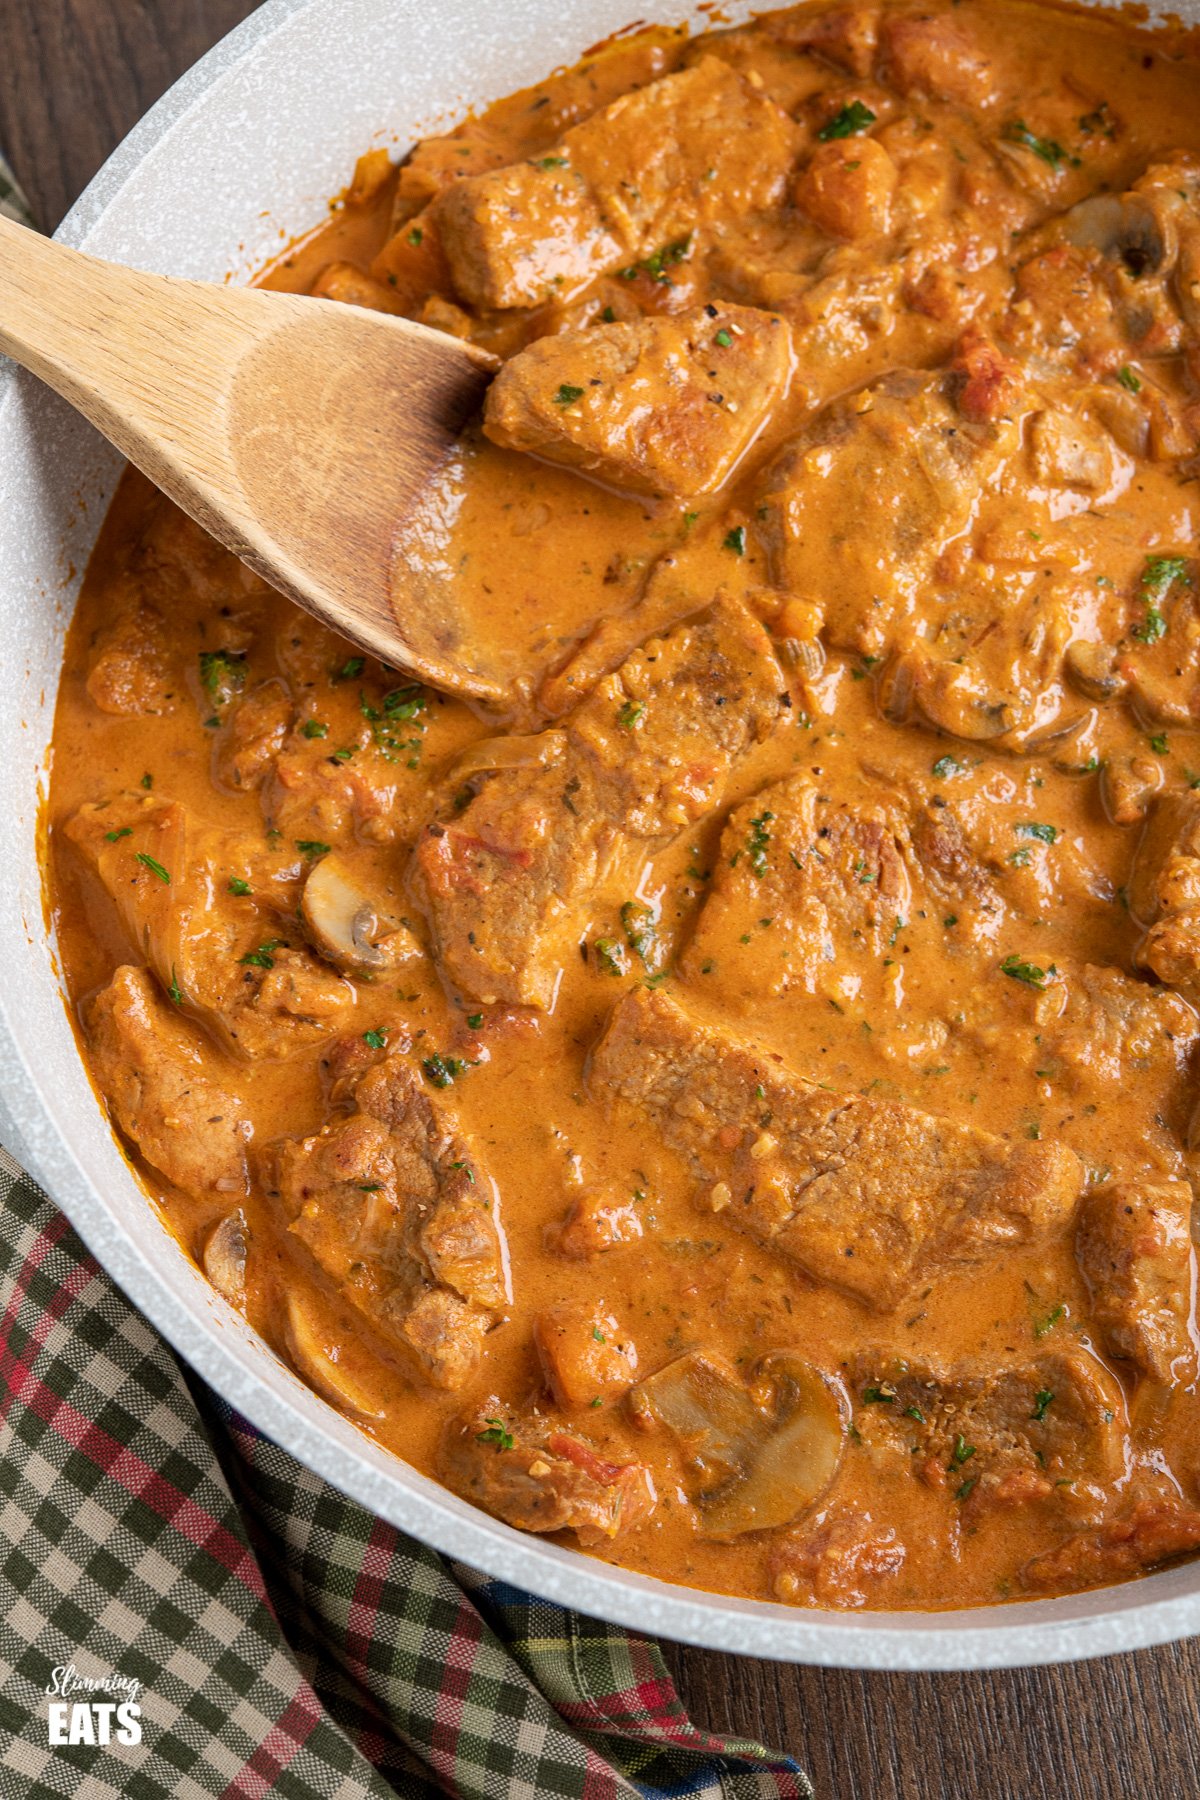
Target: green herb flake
x=567 y=395
x=155 y=868
x=112 y=837
x=1042 y=1326
x=962 y=1492
x=723 y=338
x=735 y=540
x=631 y=715
x=1041 y=1404
x=312 y=848
x=264 y=956
x=415 y=237
x=442 y=1071
x=497 y=1435
x=637 y=922
x=551 y=162
x=313 y=728
x=962 y=1452
x=880 y=1395
x=847 y=123
x=946 y=766
x=1046 y=834
x=221 y=669
x=239 y=887
x=610 y=956
x=474 y=1021
x=1159 y=744
x=598 y=1336
x=758 y=843
x=1128 y=379
x=1017 y=970
x=175 y=991
x=1017 y=132
x=375 y=1040
x=467 y=1170
x=914 y=1412
x=147 y=781
x=351 y=669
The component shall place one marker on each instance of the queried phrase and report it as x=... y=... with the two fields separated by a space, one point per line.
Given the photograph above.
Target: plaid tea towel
x=246 y=1629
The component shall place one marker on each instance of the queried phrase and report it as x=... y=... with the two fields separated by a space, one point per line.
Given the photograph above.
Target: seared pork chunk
x=234 y=962
x=394 y=1207
x=585 y=1354
x=1134 y=1246
x=847 y=37
x=840 y=1562
x=832 y=878
x=868 y=1195
x=537 y=1477
x=129 y=668
x=1164 y=893
x=921 y=466
x=931 y=54
x=505 y=873
x=1152 y=1532
x=152 y=1069
x=1058 y=1417
x=665 y=405
x=629 y=182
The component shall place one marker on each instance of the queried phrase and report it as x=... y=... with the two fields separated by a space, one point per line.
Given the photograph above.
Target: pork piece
x=839 y=1562
x=846 y=188
x=596 y=1222
x=847 y=37
x=584 y=1353
x=1164 y=893
x=626 y=183
x=347 y=283
x=235 y=961
x=255 y=732
x=985 y=1435
x=151 y=1067
x=394 y=1207
x=1134 y=1247
x=129 y=667
x=921 y=467
x=870 y=1196
x=665 y=405
x=1152 y=1532
x=536 y=1477
x=831 y=877
x=506 y=873
x=933 y=55
x=954 y=875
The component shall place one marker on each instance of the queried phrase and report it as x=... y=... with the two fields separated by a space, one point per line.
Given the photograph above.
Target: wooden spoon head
x=336 y=423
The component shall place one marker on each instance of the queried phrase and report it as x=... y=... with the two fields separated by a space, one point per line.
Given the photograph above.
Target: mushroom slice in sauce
x=318 y=1362
x=223 y=1258
x=345 y=924
x=760 y=1455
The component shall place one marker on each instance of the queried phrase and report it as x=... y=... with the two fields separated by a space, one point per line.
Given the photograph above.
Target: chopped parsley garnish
x=112 y=837
x=442 y=1071
x=147 y=780
x=238 y=886
x=1041 y=1404
x=497 y=1434
x=1128 y=379
x=313 y=728
x=609 y=316
x=878 y=1396
x=946 y=766
x=351 y=669
x=1046 y=834
x=631 y=715
x=598 y=1336
x=1017 y=132
x=415 y=236
x=847 y=123
x=551 y=162
x=758 y=842
x=402 y=705
x=467 y=1170
x=1158 y=578
x=1028 y=972
x=914 y=1412
x=155 y=868
x=375 y=1040
x=219 y=670
x=637 y=922
x=567 y=395
x=610 y=955
x=312 y=848
x=723 y=338
x=175 y=991
x=263 y=957
x=962 y=1492
x=656 y=265
x=962 y=1452
x=474 y=1021
x=1042 y=1326
x=1159 y=744
x=735 y=540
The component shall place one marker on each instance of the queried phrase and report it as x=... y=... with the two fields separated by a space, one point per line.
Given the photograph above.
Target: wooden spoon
x=296 y=431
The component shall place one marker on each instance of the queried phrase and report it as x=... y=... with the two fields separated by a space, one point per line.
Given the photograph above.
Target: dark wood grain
x=74 y=76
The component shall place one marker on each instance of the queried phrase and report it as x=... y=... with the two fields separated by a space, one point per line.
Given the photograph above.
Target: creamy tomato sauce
x=735 y=1109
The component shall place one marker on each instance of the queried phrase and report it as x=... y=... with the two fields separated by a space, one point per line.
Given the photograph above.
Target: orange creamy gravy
x=934 y=1021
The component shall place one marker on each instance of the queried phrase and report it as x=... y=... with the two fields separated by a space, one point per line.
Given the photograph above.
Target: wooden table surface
x=75 y=75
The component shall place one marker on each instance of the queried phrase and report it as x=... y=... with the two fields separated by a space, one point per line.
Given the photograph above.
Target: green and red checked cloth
x=283 y=1640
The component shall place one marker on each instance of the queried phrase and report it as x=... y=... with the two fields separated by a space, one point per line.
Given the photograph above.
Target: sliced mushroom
x=540 y=750
x=1128 y=784
x=347 y=926
x=318 y=1361
x=223 y=1258
x=1094 y=670
x=759 y=1455
x=1130 y=228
